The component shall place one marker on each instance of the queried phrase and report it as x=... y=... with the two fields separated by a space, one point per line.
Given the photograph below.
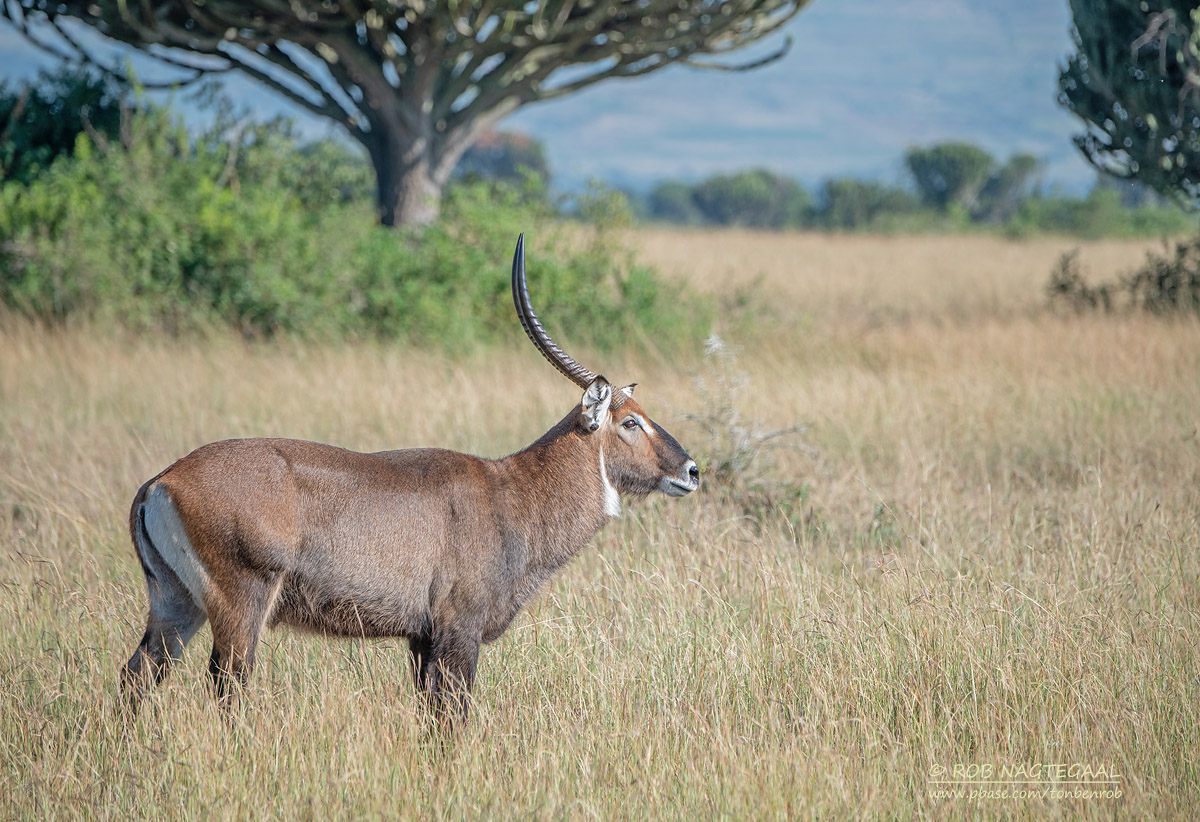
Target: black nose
x=694 y=472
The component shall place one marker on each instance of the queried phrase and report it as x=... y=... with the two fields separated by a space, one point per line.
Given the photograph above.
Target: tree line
x=948 y=186
x=951 y=186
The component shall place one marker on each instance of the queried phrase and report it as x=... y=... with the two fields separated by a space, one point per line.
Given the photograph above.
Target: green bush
x=672 y=202
x=848 y=204
x=755 y=199
x=165 y=233
x=1100 y=214
x=146 y=235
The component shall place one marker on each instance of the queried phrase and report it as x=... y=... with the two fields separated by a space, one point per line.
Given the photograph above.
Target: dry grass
x=985 y=554
x=883 y=278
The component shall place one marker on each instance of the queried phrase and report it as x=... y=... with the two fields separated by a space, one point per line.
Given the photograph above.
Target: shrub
x=1168 y=282
x=164 y=233
x=848 y=204
x=740 y=466
x=1067 y=286
x=1100 y=214
x=756 y=199
x=672 y=201
x=1165 y=283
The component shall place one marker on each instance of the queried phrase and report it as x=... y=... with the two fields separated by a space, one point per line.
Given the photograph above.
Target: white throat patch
x=612 y=501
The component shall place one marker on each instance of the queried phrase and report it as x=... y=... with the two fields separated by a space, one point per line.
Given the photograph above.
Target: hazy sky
x=865 y=80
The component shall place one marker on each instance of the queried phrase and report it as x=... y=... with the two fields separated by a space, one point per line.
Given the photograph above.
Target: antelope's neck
x=561 y=494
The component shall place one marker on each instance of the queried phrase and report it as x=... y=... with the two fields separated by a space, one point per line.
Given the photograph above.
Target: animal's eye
x=630 y=423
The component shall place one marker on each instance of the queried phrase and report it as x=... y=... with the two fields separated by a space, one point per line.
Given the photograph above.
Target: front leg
x=451 y=677
x=420 y=649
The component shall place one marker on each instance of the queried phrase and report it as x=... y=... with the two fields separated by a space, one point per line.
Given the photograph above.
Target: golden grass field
x=979 y=560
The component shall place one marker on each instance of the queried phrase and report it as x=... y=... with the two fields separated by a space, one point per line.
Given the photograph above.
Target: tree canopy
x=416 y=83
x=1134 y=80
x=41 y=121
x=752 y=198
x=949 y=173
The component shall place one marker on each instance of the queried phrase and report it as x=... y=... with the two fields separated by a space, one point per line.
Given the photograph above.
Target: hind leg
x=174 y=619
x=236 y=632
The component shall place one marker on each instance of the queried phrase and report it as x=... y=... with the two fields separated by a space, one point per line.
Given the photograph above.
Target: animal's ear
x=629 y=389
x=596 y=400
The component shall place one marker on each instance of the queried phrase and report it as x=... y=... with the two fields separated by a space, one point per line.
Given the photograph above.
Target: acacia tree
x=949 y=173
x=1134 y=80
x=415 y=82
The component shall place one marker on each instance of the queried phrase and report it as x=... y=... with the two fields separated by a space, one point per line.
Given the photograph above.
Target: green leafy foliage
x=955 y=187
x=672 y=201
x=414 y=83
x=1069 y=287
x=849 y=204
x=252 y=231
x=41 y=121
x=1133 y=82
x=752 y=199
x=1100 y=214
x=1008 y=186
x=758 y=199
x=949 y=174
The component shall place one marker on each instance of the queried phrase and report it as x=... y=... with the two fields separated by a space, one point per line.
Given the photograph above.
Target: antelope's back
x=364 y=544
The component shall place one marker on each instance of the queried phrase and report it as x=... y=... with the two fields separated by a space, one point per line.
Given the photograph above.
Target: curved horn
x=533 y=326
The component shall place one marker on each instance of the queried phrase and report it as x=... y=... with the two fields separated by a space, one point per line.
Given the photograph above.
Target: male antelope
x=435 y=546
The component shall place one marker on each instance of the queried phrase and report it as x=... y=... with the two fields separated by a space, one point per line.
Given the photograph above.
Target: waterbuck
x=435 y=546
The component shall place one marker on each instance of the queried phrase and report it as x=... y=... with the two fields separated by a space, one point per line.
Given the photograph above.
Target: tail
x=137 y=532
x=168 y=559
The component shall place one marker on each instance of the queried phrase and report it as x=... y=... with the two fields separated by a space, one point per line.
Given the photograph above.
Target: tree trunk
x=410 y=172
x=407 y=192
